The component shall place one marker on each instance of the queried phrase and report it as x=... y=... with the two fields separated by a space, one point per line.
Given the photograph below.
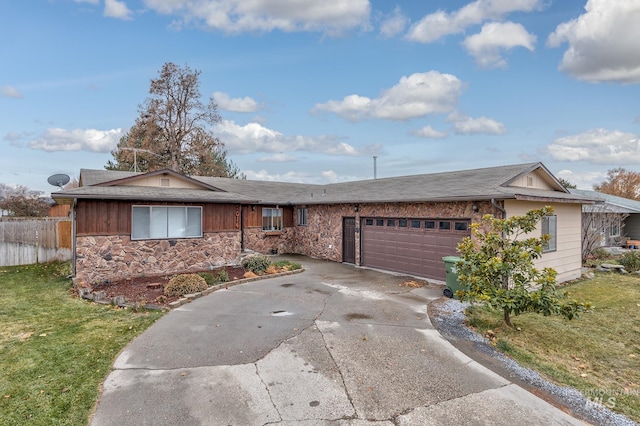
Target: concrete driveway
x=334 y=345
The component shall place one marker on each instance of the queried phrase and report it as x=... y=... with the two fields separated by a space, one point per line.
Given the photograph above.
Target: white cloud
x=582 y=180
x=495 y=37
x=439 y=24
x=10 y=92
x=117 y=9
x=330 y=176
x=55 y=139
x=277 y=158
x=326 y=176
x=429 y=132
x=236 y=16
x=603 y=42
x=254 y=137
x=465 y=125
x=418 y=95
x=227 y=103
x=597 y=146
x=394 y=23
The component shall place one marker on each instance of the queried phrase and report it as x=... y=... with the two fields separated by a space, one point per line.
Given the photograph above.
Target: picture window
x=159 y=222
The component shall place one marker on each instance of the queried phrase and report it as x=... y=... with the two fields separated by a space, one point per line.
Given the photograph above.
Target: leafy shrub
x=257 y=263
x=207 y=277
x=631 y=261
x=222 y=276
x=601 y=254
x=185 y=284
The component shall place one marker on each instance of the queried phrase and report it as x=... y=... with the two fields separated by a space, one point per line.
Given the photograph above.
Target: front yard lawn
x=598 y=353
x=56 y=349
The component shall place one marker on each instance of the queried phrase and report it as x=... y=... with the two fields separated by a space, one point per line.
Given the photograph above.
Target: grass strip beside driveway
x=598 y=354
x=56 y=349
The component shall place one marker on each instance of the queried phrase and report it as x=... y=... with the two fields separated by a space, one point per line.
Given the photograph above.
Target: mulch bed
x=148 y=290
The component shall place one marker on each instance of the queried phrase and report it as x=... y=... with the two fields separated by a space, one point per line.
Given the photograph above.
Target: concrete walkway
x=335 y=345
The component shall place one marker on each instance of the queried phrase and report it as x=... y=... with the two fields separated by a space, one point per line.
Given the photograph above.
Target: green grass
x=288 y=265
x=598 y=353
x=56 y=349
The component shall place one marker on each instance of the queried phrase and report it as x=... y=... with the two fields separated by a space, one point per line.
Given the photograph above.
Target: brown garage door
x=411 y=246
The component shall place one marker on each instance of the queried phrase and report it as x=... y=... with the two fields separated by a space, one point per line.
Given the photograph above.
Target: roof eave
x=71 y=197
x=522 y=197
x=409 y=200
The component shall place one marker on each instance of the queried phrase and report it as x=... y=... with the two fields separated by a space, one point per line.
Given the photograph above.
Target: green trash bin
x=453 y=284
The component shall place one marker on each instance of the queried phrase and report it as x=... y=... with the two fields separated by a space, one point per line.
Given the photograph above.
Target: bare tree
x=600 y=227
x=174 y=129
x=20 y=201
x=621 y=182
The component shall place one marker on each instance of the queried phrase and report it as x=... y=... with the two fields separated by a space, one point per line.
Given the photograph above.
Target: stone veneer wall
x=115 y=257
x=322 y=237
x=278 y=242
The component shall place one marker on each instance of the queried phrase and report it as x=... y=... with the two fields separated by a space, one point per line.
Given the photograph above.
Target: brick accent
x=113 y=257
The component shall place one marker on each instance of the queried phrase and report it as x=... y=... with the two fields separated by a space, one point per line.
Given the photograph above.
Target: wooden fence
x=24 y=242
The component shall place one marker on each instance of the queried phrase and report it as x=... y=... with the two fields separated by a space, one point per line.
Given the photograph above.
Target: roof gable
x=539 y=177
x=164 y=178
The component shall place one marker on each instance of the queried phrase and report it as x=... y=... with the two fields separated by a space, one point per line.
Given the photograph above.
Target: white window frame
x=273 y=216
x=616 y=226
x=159 y=217
x=549 y=226
x=303 y=212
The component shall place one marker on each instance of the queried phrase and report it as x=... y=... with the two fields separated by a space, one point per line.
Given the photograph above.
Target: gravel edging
x=189 y=297
x=447 y=316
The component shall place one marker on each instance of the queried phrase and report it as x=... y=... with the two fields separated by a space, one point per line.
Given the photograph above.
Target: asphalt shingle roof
x=614 y=204
x=476 y=184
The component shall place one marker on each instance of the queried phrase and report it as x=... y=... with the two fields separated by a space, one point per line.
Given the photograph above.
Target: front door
x=349 y=240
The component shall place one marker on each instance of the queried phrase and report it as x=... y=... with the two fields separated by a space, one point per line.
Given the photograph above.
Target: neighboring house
x=162 y=222
x=616 y=219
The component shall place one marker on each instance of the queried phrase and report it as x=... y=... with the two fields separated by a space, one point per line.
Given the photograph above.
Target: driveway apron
x=334 y=345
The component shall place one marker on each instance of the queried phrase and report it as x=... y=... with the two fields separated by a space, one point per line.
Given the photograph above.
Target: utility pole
x=375 y=168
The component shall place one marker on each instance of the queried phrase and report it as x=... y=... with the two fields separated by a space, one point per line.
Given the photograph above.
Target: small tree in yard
x=597 y=226
x=497 y=268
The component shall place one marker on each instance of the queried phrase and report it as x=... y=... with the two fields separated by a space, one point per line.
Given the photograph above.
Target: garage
x=414 y=246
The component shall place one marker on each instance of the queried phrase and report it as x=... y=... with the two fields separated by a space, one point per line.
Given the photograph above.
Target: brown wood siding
x=220 y=217
x=287 y=216
x=104 y=217
x=100 y=217
x=252 y=216
x=59 y=210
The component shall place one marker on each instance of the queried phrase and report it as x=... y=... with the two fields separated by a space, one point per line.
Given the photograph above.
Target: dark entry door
x=349 y=240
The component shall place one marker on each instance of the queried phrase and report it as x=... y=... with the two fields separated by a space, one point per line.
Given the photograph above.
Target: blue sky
x=310 y=91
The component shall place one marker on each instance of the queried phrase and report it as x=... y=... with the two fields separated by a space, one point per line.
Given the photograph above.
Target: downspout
x=241 y=228
x=495 y=205
x=73 y=237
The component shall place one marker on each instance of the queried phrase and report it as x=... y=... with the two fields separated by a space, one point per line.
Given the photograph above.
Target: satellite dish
x=59 y=180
